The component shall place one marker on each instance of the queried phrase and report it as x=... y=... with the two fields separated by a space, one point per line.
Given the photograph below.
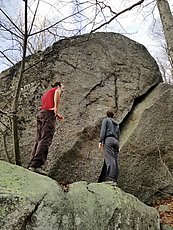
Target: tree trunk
x=167 y=22
x=16 y=148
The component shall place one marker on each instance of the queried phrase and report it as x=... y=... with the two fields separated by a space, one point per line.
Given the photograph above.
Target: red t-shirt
x=47 y=100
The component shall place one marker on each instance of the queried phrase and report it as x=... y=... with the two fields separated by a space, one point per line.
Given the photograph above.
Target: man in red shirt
x=46 y=120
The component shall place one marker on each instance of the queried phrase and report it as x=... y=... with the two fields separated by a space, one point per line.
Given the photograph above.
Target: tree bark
x=16 y=149
x=167 y=22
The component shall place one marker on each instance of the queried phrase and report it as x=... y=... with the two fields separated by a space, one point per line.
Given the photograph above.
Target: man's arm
x=56 y=104
x=102 y=133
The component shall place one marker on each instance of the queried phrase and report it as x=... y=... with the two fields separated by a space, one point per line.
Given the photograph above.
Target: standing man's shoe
x=38 y=170
x=113 y=183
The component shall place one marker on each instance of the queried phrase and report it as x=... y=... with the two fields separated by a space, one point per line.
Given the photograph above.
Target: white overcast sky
x=135 y=23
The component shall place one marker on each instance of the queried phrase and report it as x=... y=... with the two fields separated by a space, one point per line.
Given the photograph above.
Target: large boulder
x=146 y=154
x=34 y=202
x=100 y=71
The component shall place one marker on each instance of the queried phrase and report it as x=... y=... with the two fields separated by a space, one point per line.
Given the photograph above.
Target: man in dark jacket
x=46 y=120
x=109 y=140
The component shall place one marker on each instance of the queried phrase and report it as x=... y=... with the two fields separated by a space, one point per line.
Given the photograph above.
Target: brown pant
x=46 y=121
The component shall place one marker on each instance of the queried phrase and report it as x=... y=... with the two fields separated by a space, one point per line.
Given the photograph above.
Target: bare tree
x=162 y=57
x=17 y=93
x=167 y=23
x=17 y=32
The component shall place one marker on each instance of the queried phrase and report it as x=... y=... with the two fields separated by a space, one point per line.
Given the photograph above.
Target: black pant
x=46 y=121
x=110 y=169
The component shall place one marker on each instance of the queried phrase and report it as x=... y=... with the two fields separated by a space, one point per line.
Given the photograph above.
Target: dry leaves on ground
x=64 y=186
x=166 y=216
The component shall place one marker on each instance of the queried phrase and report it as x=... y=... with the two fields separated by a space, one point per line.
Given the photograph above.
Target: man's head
x=58 y=84
x=110 y=113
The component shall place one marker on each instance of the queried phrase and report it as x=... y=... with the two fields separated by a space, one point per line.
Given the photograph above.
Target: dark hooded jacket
x=109 y=128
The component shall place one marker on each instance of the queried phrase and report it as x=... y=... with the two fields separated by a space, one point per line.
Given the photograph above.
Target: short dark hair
x=56 y=84
x=110 y=113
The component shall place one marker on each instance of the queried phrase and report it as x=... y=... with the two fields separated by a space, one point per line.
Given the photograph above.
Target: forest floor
x=165 y=209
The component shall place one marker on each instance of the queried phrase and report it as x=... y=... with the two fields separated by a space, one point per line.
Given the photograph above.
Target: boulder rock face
x=27 y=198
x=99 y=71
x=34 y=202
x=146 y=158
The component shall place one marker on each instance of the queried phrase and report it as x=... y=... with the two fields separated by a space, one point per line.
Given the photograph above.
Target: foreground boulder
x=35 y=202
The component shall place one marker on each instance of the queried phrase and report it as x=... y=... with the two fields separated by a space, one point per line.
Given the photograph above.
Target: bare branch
x=6 y=57
x=34 y=17
x=123 y=11
x=49 y=27
x=105 y=6
x=4 y=113
x=11 y=21
x=4 y=124
x=9 y=30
